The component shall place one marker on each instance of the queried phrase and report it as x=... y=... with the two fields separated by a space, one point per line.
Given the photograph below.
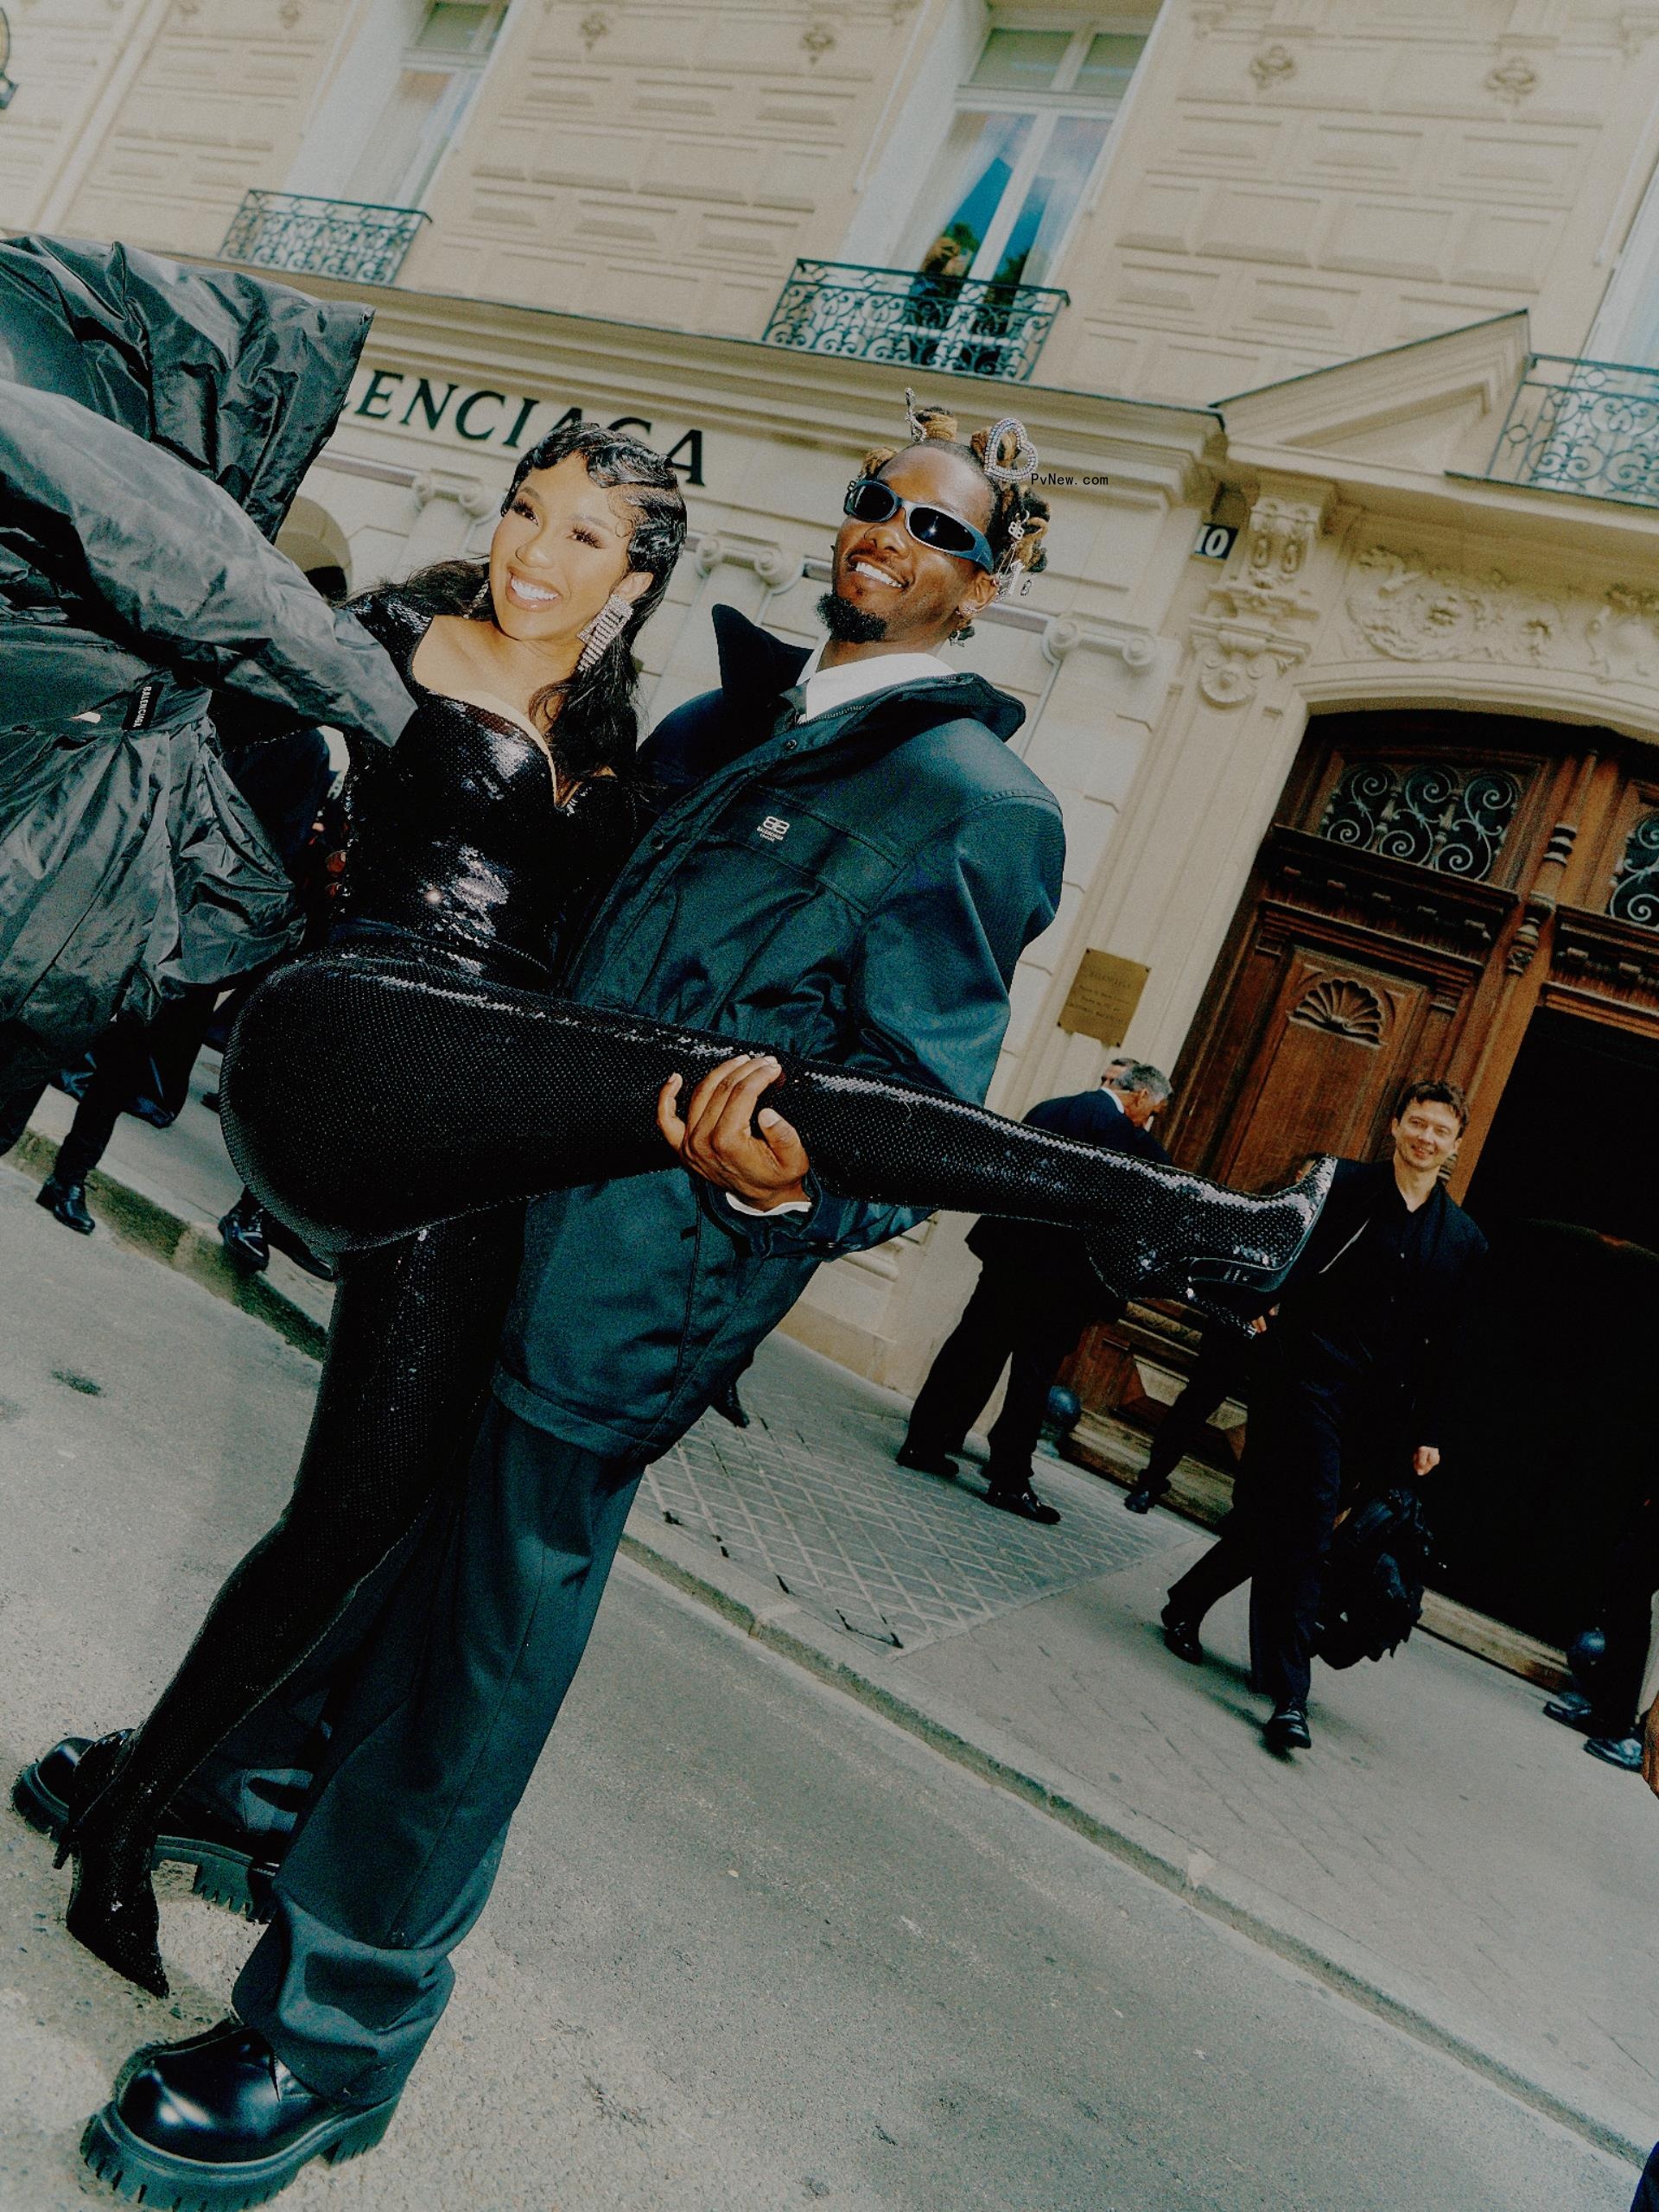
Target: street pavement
x=1443 y=1853
x=752 y=1947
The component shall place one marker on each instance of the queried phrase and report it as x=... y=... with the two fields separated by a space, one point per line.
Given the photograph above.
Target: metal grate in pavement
x=809 y=1496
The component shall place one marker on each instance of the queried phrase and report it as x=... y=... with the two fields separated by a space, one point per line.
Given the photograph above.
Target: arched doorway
x=1476 y=897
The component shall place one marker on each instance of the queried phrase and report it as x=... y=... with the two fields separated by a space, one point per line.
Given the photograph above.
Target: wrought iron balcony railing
x=970 y=324
x=1590 y=427
x=329 y=237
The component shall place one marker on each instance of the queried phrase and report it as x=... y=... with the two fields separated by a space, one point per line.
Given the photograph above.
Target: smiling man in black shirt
x=1351 y=1379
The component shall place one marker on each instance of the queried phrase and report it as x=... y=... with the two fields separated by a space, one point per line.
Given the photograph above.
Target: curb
x=783 y=1627
x=148 y=1223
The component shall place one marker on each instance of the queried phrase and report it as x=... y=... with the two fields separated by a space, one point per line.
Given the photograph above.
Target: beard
x=849 y=624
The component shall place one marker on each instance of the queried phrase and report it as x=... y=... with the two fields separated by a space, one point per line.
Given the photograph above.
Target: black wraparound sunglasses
x=869 y=500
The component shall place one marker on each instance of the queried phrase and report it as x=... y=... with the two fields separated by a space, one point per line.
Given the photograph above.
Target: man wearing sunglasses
x=848 y=864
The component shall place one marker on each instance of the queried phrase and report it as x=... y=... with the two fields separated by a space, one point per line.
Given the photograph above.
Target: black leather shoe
x=926 y=1462
x=1181 y=1636
x=1572 y=1711
x=1617 y=1750
x=726 y=1403
x=1143 y=1498
x=217 y=2124
x=234 y=1866
x=67 y=1202
x=1021 y=1499
x=1286 y=1730
x=242 y=1231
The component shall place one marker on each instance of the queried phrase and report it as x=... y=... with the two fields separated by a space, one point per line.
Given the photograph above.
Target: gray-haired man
x=1035 y=1292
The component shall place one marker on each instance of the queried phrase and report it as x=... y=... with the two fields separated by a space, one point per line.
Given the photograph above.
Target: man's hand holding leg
x=754 y=1156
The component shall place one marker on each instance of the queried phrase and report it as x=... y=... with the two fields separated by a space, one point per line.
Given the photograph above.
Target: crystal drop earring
x=602 y=631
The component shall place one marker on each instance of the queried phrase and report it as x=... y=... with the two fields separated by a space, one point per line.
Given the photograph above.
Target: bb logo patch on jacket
x=774 y=829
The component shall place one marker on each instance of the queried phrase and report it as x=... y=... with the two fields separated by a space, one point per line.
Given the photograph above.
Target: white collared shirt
x=826 y=688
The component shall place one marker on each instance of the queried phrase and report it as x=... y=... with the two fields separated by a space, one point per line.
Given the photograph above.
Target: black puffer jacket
x=155 y=423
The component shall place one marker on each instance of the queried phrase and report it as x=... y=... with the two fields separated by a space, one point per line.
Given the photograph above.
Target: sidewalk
x=1444 y=1855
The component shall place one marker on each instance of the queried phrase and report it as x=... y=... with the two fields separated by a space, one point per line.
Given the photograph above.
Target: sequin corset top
x=456 y=838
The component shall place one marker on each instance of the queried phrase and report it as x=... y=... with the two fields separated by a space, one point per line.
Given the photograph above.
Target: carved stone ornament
x=1409 y=610
x=1623 y=634
x=817 y=38
x=1275 y=64
x=1512 y=81
x=1234 y=658
x=1345 y=1007
x=593 y=26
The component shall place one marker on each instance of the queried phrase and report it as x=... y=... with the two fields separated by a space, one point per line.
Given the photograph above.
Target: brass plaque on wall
x=1104 y=994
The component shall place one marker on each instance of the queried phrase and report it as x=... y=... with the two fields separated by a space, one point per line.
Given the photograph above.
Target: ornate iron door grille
x=1434 y=817
x=1635 y=886
x=329 y=237
x=1590 y=427
x=971 y=325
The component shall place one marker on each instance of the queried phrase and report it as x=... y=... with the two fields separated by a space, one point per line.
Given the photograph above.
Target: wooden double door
x=1466 y=896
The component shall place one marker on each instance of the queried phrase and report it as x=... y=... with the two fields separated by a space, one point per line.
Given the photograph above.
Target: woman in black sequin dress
x=478 y=842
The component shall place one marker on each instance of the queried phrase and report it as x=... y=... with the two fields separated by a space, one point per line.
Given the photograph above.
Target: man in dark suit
x=1036 y=1289
x=1349 y=1389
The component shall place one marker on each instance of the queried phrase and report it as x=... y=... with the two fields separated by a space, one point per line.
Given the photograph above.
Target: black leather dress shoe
x=1617 y=1751
x=1572 y=1711
x=1141 y=1498
x=234 y=1866
x=726 y=1403
x=242 y=1231
x=1181 y=1636
x=927 y=1462
x=1286 y=1730
x=1020 y=1498
x=67 y=1202
x=217 y=2124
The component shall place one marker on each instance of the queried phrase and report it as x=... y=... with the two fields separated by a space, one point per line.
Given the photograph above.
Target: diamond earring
x=603 y=631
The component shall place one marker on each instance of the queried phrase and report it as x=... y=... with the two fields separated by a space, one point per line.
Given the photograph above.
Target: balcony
x=971 y=326
x=1589 y=427
x=327 y=237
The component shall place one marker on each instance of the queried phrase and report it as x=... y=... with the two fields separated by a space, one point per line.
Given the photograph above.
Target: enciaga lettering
x=774 y=829
x=487 y=417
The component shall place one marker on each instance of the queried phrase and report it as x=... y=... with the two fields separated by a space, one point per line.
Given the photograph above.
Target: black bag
x=1374 y=1577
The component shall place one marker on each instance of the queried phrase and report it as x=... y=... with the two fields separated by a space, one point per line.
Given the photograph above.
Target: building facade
x=1337 y=326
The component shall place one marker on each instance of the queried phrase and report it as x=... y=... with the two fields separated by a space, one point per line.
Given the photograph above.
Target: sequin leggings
x=411 y=1348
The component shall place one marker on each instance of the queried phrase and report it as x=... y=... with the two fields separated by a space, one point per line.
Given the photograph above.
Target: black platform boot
x=217 y=2124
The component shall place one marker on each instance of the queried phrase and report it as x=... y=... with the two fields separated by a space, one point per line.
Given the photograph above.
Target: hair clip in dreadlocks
x=1021 y=465
x=914 y=421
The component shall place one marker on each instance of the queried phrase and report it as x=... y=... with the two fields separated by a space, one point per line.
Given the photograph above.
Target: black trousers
x=439 y=1690
x=1315 y=1422
x=1222 y=1371
x=1625 y=1617
x=135 y=1059
x=1007 y=1323
x=26 y=1066
x=1646 y=2189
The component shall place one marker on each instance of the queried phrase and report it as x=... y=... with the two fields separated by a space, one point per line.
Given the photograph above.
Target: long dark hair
x=589 y=719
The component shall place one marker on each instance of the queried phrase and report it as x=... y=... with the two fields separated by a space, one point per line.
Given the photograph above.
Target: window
x=438 y=71
x=1627 y=328
x=1030 y=125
